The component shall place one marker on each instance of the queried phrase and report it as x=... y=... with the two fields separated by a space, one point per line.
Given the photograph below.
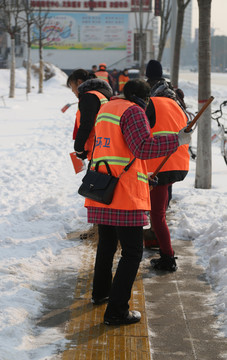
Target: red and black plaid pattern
x=115 y=217
x=136 y=130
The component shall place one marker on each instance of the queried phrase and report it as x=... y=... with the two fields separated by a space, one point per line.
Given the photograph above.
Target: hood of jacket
x=134 y=98
x=96 y=84
x=164 y=89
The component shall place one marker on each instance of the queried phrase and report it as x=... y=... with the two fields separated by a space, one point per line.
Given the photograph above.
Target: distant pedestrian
x=114 y=77
x=94 y=68
x=92 y=94
x=122 y=80
x=103 y=74
x=123 y=136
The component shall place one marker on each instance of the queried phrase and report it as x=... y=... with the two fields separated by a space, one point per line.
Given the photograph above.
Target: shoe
x=100 y=301
x=156 y=260
x=131 y=318
x=165 y=262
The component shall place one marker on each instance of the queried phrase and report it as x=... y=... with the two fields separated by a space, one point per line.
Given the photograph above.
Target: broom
x=67 y=106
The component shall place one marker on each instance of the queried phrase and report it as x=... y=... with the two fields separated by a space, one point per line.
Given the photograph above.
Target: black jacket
x=89 y=105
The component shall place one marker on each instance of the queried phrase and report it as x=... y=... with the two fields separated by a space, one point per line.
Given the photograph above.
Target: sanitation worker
x=123 y=134
x=92 y=94
x=103 y=74
x=167 y=115
x=123 y=79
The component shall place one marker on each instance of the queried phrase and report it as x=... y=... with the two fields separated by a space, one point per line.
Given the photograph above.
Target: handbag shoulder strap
x=89 y=164
x=108 y=169
x=127 y=167
x=129 y=164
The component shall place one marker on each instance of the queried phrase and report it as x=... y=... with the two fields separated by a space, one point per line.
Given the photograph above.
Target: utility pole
x=173 y=32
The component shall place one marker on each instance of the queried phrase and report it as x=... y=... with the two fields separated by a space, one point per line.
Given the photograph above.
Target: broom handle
x=203 y=108
x=207 y=103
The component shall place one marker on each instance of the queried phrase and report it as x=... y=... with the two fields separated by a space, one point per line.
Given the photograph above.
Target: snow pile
x=39 y=205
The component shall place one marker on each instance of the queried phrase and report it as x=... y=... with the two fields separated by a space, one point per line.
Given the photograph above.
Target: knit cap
x=154 y=70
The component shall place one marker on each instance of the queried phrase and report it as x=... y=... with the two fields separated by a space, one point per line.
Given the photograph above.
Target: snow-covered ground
x=39 y=205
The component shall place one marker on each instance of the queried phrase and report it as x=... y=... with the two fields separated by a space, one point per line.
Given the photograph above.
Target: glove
x=82 y=155
x=152 y=182
x=184 y=137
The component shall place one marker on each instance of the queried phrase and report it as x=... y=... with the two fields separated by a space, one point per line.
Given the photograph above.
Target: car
x=133 y=74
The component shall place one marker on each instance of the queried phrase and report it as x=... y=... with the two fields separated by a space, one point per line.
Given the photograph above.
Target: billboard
x=93 y=5
x=84 y=5
x=83 y=31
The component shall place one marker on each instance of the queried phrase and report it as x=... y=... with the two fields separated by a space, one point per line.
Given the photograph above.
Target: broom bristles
x=66 y=107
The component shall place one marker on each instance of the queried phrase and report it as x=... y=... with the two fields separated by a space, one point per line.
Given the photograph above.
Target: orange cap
x=102 y=66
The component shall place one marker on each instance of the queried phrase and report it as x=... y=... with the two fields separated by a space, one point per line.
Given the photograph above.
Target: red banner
x=158 y=7
x=135 y=5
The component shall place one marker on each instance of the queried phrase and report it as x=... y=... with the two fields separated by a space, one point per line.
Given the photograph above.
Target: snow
x=39 y=205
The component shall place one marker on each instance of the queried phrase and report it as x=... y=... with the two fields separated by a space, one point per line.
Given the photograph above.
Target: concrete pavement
x=180 y=314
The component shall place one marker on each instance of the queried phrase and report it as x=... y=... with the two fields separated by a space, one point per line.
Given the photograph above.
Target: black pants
x=118 y=290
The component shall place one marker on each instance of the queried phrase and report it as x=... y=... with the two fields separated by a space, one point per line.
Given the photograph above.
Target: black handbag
x=98 y=186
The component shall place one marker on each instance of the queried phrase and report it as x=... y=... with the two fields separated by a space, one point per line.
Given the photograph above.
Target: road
x=216 y=78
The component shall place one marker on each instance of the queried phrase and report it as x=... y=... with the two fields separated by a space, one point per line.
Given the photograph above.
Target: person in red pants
x=167 y=115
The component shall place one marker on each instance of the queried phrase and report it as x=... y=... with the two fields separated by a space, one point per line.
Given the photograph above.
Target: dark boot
x=165 y=262
x=131 y=317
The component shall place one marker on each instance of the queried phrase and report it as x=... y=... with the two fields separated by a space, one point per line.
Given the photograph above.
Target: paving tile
x=89 y=338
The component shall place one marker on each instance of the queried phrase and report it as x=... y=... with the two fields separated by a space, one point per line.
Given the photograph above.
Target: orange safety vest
x=90 y=141
x=132 y=190
x=102 y=74
x=170 y=119
x=122 y=80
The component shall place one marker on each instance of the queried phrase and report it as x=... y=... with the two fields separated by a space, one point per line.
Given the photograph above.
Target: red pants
x=159 y=203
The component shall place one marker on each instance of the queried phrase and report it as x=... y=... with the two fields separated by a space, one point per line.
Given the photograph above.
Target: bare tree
x=27 y=17
x=11 y=24
x=182 y=4
x=40 y=21
x=203 y=162
x=142 y=19
x=164 y=27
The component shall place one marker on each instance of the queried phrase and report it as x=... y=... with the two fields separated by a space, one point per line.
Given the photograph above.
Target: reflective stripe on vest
x=122 y=81
x=142 y=177
x=109 y=118
x=102 y=75
x=164 y=132
x=103 y=101
x=132 y=190
x=112 y=160
x=170 y=118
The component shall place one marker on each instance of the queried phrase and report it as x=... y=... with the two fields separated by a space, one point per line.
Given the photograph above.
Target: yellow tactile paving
x=89 y=338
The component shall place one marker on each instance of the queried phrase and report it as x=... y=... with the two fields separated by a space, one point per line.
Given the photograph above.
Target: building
x=186 y=40
x=83 y=33
x=187 y=28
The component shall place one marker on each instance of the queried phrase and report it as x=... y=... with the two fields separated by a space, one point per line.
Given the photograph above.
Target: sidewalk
x=178 y=312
